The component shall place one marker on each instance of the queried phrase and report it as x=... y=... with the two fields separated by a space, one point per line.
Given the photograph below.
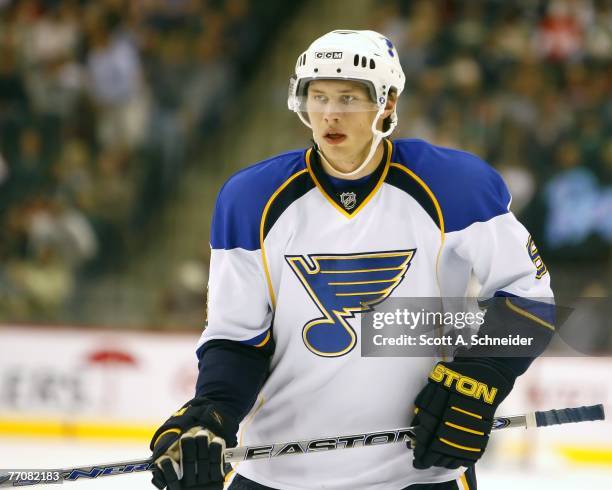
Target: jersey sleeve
x=503 y=255
x=238 y=306
x=515 y=282
x=235 y=348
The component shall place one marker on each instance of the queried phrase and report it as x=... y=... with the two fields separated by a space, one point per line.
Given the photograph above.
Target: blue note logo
x=342 y=285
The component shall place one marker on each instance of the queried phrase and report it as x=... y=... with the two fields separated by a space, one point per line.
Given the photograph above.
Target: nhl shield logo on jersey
x=348 y=200
x=342 y=285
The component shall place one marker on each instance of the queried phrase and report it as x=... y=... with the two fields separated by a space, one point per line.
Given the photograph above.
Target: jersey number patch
x=534 y=254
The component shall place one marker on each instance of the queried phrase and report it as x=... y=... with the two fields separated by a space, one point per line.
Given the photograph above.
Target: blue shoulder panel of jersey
x=242 y=199
x=467 y=188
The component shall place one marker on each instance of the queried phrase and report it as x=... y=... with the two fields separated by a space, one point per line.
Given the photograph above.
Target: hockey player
x=299 y=243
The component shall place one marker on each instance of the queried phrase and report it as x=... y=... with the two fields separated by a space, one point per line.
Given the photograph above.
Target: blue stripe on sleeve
x=467 y=189
x=242 y=199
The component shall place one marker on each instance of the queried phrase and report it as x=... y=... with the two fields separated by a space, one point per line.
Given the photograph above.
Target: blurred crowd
x=527 y=85
x=102 y=103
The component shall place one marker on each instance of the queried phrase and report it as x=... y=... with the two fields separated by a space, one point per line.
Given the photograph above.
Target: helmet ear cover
x=391 y=119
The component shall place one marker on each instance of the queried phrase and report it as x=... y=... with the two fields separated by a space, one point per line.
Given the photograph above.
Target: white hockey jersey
x=290 y=252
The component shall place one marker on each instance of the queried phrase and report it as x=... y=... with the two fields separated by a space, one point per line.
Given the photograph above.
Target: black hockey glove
x=454 y=412
x=188 y=448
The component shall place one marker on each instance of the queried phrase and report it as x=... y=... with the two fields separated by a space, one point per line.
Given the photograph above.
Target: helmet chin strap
x=377 y=137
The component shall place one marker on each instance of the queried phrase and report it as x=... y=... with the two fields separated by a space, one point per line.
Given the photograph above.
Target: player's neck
x=335 y=167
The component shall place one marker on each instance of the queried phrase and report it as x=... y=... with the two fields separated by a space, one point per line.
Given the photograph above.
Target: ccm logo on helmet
x=463 y=384
x=328 y=55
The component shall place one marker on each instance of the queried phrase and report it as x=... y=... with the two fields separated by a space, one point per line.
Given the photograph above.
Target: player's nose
x=331 y=113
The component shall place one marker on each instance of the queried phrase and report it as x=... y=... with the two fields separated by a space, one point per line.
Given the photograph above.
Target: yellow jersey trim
x=264 y=341
x=372 y=193
x=379 y=281
x=432 y=196
x=433 y=199
x=464 y=482
x=352 y=271
x=528 y=315
x=427 y=190
x=261 y=228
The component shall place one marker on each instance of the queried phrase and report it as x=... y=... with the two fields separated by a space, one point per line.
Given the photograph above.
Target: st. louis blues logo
x=342 y=285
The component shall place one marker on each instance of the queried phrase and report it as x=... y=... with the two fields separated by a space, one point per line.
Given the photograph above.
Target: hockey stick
x=246 y=453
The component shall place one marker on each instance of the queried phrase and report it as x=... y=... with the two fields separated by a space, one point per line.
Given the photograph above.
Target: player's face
x=341 y=115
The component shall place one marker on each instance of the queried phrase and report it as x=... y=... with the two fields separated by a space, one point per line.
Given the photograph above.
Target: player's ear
x=391 y=103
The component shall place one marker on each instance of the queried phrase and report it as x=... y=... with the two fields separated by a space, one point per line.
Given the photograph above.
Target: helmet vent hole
x=338 y=70
x=316 y=70
x=364 y=62
x=356 y=60
x=372 y=64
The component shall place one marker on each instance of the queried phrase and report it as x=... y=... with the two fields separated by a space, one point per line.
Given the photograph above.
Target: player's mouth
x=334 y=137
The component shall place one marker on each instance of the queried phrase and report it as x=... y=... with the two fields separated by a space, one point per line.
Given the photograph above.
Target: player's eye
x=320 y=98
x=348 y=99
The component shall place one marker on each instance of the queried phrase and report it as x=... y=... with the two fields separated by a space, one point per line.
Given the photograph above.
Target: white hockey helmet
x=362 y=56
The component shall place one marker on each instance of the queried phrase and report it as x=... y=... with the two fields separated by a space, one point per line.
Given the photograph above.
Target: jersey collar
x=349 y=200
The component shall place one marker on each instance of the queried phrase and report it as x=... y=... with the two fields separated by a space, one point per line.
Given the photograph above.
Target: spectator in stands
x=116 y=82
